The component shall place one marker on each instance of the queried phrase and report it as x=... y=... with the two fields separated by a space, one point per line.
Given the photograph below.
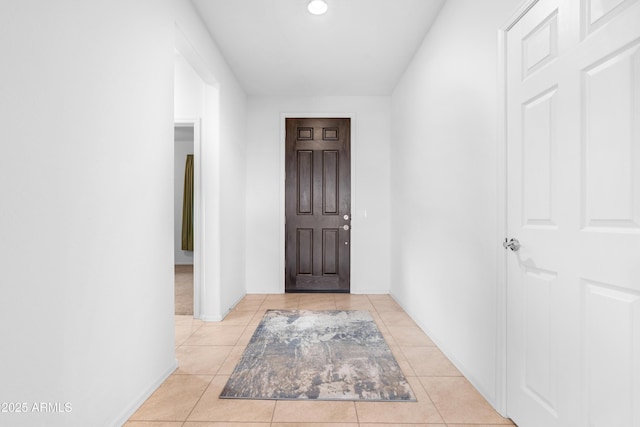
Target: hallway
x=208 y=352
x=92 y=97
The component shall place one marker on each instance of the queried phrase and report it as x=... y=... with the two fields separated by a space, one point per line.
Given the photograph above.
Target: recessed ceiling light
x=317 y=7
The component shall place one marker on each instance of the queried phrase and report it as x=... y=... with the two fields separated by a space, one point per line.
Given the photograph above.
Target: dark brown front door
x=318 y=205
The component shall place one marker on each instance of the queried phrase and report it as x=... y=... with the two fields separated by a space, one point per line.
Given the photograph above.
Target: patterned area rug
x=321 y=355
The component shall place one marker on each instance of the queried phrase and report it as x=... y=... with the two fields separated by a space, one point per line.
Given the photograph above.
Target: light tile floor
x=208 y=352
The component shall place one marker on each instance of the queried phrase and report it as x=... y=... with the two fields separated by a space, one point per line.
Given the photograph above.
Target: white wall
x=370 y=184
x=86 y=224
x=189 y=90
x=444 y=189
x=183 y=145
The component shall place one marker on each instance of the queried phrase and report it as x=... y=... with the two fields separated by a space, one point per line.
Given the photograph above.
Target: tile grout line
x=355 y=408
x=202 y=394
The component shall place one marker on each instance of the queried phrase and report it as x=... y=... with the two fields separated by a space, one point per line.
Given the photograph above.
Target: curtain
x=187 y=206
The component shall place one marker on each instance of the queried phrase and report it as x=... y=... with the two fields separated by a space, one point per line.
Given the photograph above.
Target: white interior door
x=573 y=203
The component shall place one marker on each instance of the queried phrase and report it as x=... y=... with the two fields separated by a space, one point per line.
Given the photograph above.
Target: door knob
x=345 y=227
x=512 y=244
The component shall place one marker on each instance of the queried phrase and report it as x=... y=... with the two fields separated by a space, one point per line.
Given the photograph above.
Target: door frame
x=501 y=399
x=198 y=214
x=207 y=252
x=282 y=168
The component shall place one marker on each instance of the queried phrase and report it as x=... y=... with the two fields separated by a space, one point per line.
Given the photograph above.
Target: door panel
x=573 y=202
x=318 y=196
x=611 y=151
x=539 y=156
x=541 y=346
x=612 y=359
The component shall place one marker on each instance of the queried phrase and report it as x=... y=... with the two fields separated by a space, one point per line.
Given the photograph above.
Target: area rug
x=320 y=355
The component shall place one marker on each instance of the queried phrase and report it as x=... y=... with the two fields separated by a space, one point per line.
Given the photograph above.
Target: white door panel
x=612 y=358
x=573 y=202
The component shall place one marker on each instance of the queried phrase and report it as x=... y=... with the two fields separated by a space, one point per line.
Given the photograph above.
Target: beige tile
x=380 y=323
x=253 y=297
x=283 y=297
x=222 y=424
x=281 y=302
x=379 y=297
x=386 y=305
x=249 y=305
x=396 y=318
x=317 y=302
x=376 y=317
x=324 y=412
x=257 y=316
x=203 y=360
x=215 y=334
x=237 y=317
x=477 y=425
x=316 y=295
x=304 y=424
x=284 y=304
x=181 y=333
x=153 y=424
x=251 y=328
x=403 y=425
x=404 y=364
x=353 y=302
x=422 y=411
x=232 y=360
x=194 y=324
x=406 y=368
x=365 y=306
x=174 y=399
x=429 y=362
x=388 y=337
x=184 y=318
x=246 y=335
x=184 y=327
x=183 y=298
x=410 y=335
x=350 y=297
x=212 y=408
x=318 y=305
x=459 y=402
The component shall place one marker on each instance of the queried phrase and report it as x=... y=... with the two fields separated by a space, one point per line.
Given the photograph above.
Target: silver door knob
x=512 y=244
x=345 y=227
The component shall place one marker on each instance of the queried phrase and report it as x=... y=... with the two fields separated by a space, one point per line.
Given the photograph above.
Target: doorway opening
x=197 y=107
x=183 y=218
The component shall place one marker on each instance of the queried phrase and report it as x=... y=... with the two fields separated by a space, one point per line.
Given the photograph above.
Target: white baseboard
x=352 y=292
x=489 y=397
x=128 y=412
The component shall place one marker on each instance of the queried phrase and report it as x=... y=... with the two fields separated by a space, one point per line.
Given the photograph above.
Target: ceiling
x=359 y=47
